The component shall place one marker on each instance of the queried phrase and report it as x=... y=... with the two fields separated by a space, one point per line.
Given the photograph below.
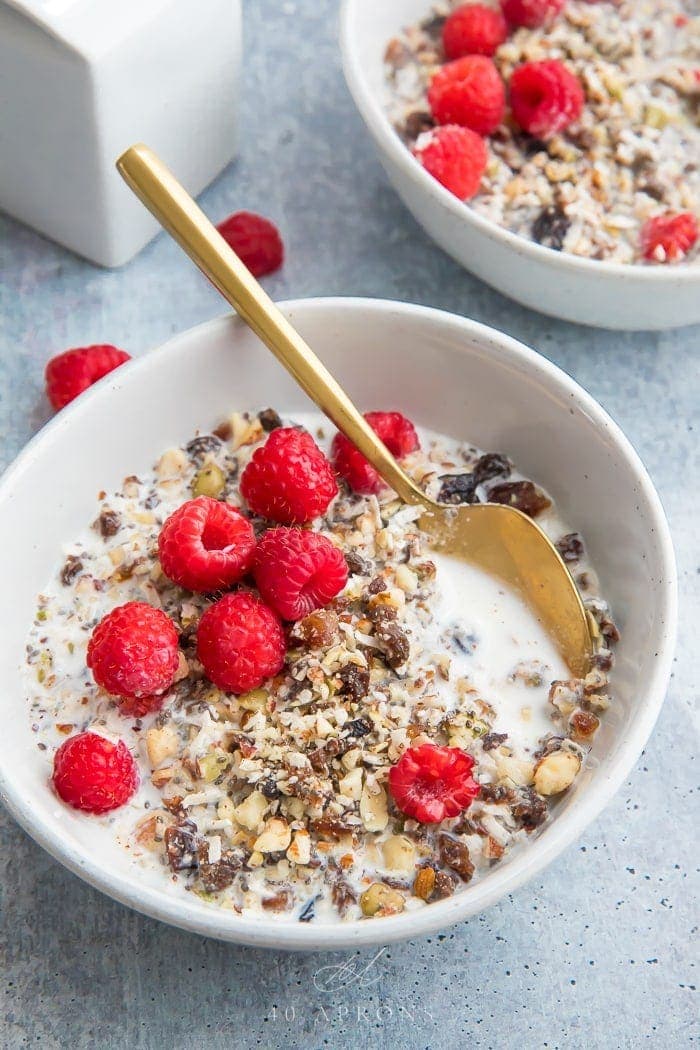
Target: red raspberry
x=473 y=29
x=531 y=13
x=298 y=571
x=398 y=434
x=240 y=643
x=289 y=479
x=545 y=97
x=94 y=774
x=470 y=92
x=455 y=156
x=206 y=545
x=255 y=239
x=73 y=371
x=669 y=237
x=432 y=783
x=133 y=653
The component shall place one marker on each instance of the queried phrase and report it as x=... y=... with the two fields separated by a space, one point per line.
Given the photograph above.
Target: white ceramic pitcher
x=80 y=80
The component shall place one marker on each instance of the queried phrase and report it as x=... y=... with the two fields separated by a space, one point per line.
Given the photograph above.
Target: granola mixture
x=634 y=154
x=276 y=801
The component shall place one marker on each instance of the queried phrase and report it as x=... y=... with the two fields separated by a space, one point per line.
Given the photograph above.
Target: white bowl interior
x=444 y=372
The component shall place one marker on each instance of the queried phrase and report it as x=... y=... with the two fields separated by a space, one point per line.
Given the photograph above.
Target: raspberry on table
x=455 y=156
x=469 y=92
x=288 y=479
x=240 y=643
x=545 y=97
x=398 y=434
x=133 y=653
x=531 y=13
x=206 y=545
x=70 y=373
x=431 y=783
x=669 y=237
x=94 y=774
x=255 y=240
x=298 y=571
x=473 y=29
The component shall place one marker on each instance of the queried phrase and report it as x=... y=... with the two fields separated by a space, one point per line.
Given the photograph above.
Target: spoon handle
x=175 y=210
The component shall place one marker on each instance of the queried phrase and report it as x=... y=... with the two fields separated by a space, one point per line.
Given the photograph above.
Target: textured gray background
x=602 y=950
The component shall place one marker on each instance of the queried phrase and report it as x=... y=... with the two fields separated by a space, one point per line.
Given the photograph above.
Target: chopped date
x=458 y=488
x=496 y=793
x=380 y=614
x=529 y=810
x=493 y=740
x=395 y=642
x=182 y=845
x=331 y=827
x=269 y=420
x=491 y=465
x=73 y=566
x=109 y=523
x=455 y=855
x=354 y=681
x=444 y=885
x=584 y=724
x=320 y=758
x=342 y=893
x=281 y=901
x=377 y=585
x=551 y=227
x=522 y=495
x=357 y=565
x=216 y=877
x=433 y=25
x=201 y=446
x=417 y=122
x=224 y=431
x=603 y=660
x=570 y=547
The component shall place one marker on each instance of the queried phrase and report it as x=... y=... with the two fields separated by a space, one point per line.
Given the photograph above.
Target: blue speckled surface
x=598 y=952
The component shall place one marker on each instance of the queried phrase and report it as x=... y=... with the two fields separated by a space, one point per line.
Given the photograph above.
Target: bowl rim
x=197 y=917
x=380 y=126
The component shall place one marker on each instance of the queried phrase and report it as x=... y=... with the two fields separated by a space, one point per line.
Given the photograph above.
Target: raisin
x=551 y=227
x=72 y=568
x=433 y=25
x=109 y=523
x=359 y=727
x=377 y=585
x=318 y=630
x=570 y=547
x=269 y=420
x=529 y=810
x=496 y=793
x=455 y=855
x=522 y=495
x=603 y=660
x=357 y=565
x=381 y=614
x=491 y=465
x=417 y=122
x=269 y=789
x=493 y=740
x=457 y=488
x=354 y=681
x=224 y=431
x=201 y=446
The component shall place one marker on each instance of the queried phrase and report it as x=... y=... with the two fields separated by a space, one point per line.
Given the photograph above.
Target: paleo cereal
x=591 y=115
x=306 y=712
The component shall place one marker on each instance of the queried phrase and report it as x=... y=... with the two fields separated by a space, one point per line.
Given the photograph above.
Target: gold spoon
x=496 y=538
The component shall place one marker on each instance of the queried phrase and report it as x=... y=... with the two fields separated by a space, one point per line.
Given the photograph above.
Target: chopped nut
x=399 y=853
x=172 y=464
x=251 y=811
x=300 y=850
x=373 y=808
x=161 y=743
x=556 y=772
x=276 y=836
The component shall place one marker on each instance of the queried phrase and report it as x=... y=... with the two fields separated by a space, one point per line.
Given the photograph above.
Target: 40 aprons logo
x=355 y=976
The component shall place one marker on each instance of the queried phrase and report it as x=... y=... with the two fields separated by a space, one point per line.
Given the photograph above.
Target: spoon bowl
x=498 y=539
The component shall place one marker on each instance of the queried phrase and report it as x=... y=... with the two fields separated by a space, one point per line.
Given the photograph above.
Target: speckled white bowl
x=606 y=295
x=445 y=372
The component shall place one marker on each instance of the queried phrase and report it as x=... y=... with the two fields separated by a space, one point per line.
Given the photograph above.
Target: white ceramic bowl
x=443 y=371
x=607 y=295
